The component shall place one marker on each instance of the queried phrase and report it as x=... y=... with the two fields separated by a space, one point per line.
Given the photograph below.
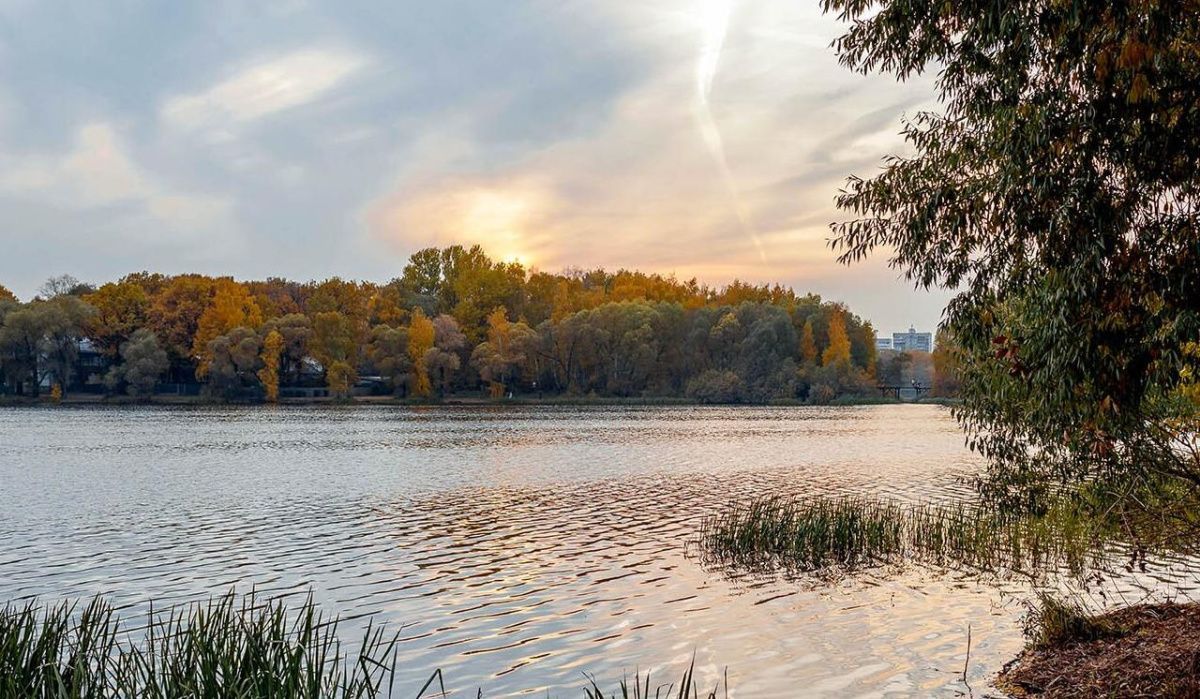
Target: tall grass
x=640 y=688
x=223 y=648
x=853 y=532
x=228 y=648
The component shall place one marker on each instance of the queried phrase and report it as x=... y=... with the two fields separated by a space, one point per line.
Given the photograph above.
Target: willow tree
x=1057 y=190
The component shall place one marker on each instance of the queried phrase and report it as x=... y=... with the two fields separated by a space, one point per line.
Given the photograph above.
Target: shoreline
x=468 y=401
x=1137 y=651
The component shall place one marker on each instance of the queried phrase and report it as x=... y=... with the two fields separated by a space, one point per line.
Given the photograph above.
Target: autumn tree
x=231 y=307
x=143 y=362
x=121 y=310
x=63 y=285
x=837 y=351
x=421 y=336
x=233 y=363
x=945 y=364
x=808 y=344
x=6 y=295
x=1057 y=190
x=442 y=360
x=296 y=331
x=340 y=377
x=175 y=311
x=505 y=350
x=333 y=341
x=387 y=350
x=268 y=375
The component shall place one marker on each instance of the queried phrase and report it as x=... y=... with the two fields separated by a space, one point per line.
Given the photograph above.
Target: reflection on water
x=519 y=547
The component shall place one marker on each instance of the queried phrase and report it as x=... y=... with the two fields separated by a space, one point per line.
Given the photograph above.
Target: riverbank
x=169 y=399
x=1139 y=651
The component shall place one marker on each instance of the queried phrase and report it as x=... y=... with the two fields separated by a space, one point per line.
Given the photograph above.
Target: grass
x=1056 y=621
x=1075 y=531
x=640 y=687
x=852 y=532
x=1147 y=650
x=228 y=647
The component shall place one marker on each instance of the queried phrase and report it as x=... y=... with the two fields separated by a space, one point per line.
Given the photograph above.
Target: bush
x=714 y=386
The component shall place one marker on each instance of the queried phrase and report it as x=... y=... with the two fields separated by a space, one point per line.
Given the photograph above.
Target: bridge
x=916 y=388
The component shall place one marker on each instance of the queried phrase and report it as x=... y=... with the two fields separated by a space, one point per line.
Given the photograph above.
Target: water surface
x=519 y=547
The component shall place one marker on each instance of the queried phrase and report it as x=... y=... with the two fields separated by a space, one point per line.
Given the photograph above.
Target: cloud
x=644 y=189
x=98 y=174
x=262 y=89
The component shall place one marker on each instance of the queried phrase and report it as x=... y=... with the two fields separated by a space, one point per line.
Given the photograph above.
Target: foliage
x=272 y=350
x=233 y=364
x=442 y=361
x=421 y=336
x=231 y=307
x=625 y=334
x=6 y=295
x=1073 y=534
x=716 y=386
x=947 y=364
x=121 y=309
x=837 y=351
x=387 y=351
x=1057 y=189
x=143 y=362
x=340 y=377
x=226 y=647
x=332 y=340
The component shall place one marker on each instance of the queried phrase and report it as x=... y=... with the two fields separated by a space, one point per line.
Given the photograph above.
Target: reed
x=228 y=647
x=640 y=686
x=852 y=532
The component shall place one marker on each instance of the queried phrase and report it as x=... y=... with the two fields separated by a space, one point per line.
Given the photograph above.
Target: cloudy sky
x=706 y=138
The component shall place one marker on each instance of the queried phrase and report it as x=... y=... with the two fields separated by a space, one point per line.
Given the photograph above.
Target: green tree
x=387 y=350
x=296 y=330
x=332 y=339
x=20 y=342
x=64 y=322
x=233 y=364
x=1057 y=188
x=442 y=360
x=143 y=362
x=340 y=378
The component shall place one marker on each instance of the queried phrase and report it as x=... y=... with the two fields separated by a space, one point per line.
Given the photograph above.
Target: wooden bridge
x=916 y=388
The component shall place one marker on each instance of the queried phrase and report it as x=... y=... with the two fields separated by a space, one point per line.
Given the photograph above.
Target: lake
x=518 y=547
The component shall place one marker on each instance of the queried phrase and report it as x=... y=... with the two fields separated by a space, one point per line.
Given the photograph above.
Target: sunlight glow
x=715 y=15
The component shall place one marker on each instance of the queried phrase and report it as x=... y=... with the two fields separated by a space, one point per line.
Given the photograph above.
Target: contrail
x=716 y=27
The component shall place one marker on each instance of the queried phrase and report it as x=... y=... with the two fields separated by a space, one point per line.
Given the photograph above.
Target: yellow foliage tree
x=808 y=344
x=232 y=306
x=837 y=352
x=269 y=375
x=340 y=377
x=421 y=333
x=6 y=295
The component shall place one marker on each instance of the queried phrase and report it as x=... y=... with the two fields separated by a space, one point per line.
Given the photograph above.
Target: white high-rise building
x=912 y=341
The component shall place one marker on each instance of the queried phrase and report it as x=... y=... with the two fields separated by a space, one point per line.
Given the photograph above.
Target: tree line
x=455 y=321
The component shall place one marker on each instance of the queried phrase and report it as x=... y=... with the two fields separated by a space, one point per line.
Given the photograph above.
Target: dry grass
x=1141 y=651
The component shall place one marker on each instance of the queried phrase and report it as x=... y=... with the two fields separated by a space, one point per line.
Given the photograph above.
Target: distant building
x=912 y=341
x=883 y=343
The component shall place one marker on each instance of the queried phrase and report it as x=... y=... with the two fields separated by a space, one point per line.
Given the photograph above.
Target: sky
x=703 y=138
